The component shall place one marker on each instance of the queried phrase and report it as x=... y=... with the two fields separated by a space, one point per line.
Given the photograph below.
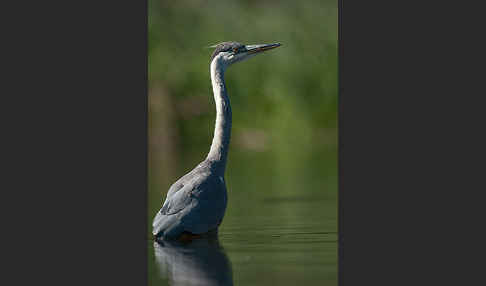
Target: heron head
x=228 y=53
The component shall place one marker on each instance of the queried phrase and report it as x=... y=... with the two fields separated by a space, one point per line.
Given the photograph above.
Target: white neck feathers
x=222 y=129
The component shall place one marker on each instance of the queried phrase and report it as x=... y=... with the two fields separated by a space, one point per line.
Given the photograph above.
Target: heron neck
x=222 y=130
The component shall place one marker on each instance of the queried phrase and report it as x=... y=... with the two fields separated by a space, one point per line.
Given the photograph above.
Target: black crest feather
x=224 y=47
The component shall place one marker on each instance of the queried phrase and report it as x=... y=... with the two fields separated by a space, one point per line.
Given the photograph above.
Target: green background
x=282 y=165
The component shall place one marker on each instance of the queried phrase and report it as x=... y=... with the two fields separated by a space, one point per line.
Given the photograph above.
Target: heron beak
x=253 y=49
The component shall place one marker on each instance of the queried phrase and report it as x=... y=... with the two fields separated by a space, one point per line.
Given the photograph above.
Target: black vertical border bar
x=412 y=123
x=76 y=142
x=144 y=212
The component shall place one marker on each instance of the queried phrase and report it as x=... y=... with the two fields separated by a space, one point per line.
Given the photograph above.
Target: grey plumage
x=224 y=47
x=196 y=203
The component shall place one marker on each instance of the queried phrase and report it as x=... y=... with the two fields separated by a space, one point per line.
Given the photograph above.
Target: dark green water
x=280 y=240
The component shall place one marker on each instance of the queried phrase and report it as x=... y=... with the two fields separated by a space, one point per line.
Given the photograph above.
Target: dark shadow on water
x=200 y=262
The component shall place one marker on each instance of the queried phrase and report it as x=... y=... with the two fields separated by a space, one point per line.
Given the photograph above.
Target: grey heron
x=195 y=204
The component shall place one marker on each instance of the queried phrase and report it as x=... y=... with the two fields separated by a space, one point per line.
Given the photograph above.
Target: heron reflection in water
x=200 y=262
x=196 y=203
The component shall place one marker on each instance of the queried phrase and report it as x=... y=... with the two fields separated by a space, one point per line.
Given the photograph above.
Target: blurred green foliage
x=284 y=136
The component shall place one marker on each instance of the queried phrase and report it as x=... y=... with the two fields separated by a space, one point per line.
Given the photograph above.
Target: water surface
x=264 y=240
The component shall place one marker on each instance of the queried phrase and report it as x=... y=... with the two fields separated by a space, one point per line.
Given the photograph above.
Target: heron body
x=196 y=203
